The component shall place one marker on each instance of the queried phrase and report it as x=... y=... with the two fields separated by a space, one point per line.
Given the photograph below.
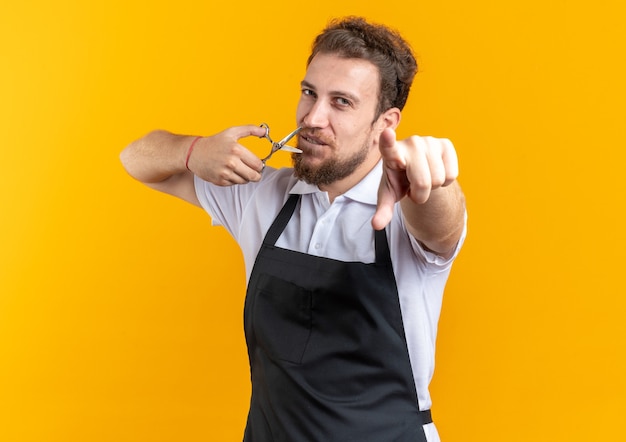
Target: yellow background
x=120 y=308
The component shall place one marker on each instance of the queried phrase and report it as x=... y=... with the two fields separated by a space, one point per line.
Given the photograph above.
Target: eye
x=308 y=92
x=343 y=102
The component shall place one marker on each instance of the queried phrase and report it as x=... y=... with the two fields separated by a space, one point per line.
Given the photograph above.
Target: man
x=346 y=254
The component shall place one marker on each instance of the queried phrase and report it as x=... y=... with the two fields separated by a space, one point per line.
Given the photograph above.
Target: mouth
x=311 y=140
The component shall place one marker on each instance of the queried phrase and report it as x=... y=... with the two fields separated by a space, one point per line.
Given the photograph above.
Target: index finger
x=247 y=130
x=389 y=151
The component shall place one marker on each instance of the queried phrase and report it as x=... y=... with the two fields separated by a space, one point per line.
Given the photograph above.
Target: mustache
x=315 y=136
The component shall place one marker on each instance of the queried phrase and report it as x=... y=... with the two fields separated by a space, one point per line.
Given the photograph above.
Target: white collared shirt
x=342 y=231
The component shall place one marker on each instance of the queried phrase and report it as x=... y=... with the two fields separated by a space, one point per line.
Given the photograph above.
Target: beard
x=328 y=171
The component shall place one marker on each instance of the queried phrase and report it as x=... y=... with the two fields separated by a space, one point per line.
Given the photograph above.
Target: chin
x=304 y=168
x=306 y=159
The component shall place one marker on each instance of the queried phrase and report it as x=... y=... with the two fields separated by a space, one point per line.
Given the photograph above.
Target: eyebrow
x=345 y=94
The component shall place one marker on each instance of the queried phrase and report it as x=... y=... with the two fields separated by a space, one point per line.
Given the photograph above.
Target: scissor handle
x=267 y=132
x=276 y=146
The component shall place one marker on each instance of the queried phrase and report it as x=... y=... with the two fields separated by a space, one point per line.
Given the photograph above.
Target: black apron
x=328 y=354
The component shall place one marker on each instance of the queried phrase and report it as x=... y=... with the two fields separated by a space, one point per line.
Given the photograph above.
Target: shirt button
x=318 y=246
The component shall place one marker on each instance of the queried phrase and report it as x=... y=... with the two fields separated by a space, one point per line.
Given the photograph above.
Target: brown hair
x=354 y=37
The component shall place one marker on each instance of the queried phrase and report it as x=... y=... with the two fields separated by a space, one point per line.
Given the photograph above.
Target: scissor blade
x=290 y=149
x=290 y=136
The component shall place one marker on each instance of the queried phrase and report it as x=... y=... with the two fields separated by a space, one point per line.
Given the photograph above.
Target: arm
x=163 y=160
x=421 y=173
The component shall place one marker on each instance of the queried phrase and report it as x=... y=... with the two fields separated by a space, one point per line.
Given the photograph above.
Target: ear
x=389 y=119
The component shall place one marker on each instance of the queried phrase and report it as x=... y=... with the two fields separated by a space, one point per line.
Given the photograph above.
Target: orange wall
x=120 y=309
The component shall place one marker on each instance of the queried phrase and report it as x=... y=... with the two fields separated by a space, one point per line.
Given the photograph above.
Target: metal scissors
x=281 y=144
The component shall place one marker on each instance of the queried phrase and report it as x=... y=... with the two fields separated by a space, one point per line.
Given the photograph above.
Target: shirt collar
x=365 y=191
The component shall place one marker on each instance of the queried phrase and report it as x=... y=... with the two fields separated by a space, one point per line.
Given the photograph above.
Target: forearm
x=438 y=223
x=156 y=157
x=166 y=162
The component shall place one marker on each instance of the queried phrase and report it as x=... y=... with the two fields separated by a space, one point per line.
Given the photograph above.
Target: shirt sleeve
x=229 y=205
x=224 y=204
x=429 y=258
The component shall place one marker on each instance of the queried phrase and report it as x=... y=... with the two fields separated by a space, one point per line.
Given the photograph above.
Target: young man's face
x=336 y=109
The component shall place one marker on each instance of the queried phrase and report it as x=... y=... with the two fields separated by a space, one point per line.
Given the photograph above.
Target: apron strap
x=281 y=220
x=382 y=247
x=425 y=417
x=276 y=229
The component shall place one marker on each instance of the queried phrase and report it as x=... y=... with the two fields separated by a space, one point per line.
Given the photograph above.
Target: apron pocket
x=282 y=318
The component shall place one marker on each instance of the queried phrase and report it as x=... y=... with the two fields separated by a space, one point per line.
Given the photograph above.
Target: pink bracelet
x=193 y=143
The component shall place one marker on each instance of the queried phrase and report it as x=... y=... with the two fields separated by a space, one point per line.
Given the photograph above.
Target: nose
x=317 y=115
